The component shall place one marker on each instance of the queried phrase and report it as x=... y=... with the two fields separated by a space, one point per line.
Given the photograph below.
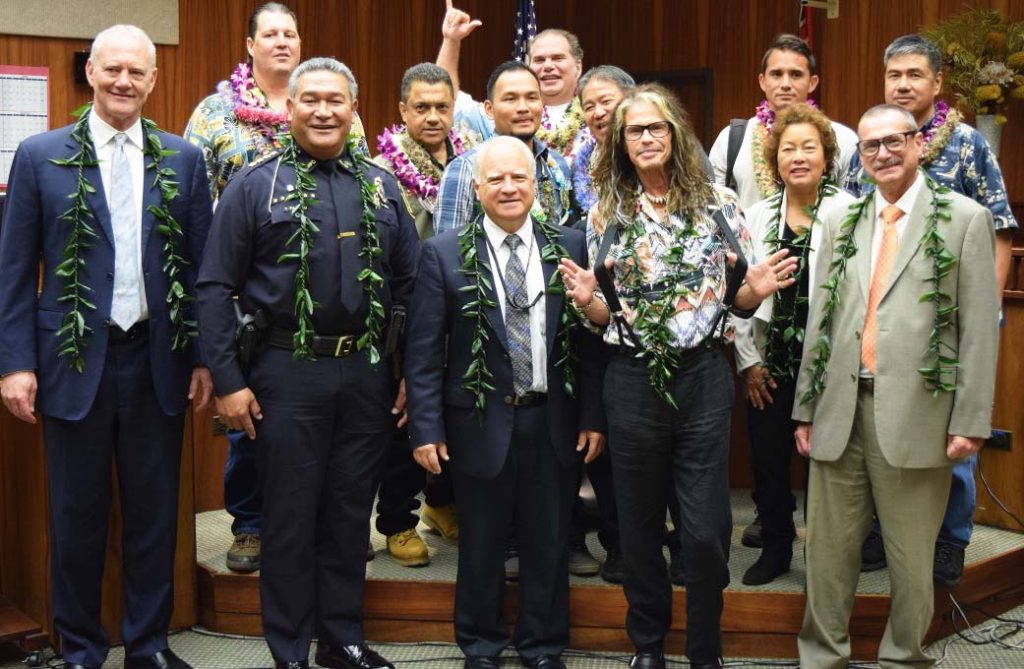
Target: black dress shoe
x=296 y=664
x=545 y=662
x=772 y=563
x=162 y=659
x=717 y=664
x=355 y=656
x=481 y=662
x=72 y=665
x=647 y=661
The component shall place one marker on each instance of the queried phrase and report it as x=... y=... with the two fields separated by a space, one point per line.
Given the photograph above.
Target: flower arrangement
x=984 y=60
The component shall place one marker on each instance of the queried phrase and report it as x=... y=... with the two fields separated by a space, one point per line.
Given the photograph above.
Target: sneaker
x=581 y=562
x=614 y=569
x=244 y=554
x=949 y=564
x=442 y=520
x=872 y=553
x=407 y=548
x=752 y=534
x=511 y=564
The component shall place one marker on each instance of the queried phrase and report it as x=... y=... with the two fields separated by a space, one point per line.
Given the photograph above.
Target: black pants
x=324 y=431
x=124 y=425
x=771 y=448
x=537 y=490
x=647 y=438
x=599 y=471
x=401 y=480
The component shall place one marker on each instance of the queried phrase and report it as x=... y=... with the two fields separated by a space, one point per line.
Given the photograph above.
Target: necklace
x=562 y=137
x=938 y=131
x=656 y=200
x=412 y=165
x=73 y=330
x=250 y=103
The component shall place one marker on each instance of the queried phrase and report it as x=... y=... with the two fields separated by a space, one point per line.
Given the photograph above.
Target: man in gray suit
x=883 y=417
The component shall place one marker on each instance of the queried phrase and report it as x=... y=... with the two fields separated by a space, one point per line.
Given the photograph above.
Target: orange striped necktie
x=879 y=279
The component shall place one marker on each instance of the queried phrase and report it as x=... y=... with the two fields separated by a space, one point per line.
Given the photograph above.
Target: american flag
x=526 y=29
x=805 y=31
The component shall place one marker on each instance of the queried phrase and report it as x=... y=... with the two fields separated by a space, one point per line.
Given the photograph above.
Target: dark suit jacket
x=32 y=231
x=438 y=347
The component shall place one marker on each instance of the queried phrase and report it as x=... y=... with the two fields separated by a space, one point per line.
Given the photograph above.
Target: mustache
x=891 y=161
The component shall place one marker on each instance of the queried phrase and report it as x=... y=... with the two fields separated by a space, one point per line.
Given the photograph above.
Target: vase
x=990 y=130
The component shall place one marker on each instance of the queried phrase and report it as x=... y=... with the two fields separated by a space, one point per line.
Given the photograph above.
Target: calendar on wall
x=24 y=110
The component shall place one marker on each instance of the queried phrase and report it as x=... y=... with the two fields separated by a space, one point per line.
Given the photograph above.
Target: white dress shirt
x=103 y=139
x=529 y=255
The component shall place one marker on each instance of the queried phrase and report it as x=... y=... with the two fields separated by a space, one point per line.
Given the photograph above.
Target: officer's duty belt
x=329 y=347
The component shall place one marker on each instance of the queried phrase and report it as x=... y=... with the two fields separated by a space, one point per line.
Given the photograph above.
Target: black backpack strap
x=735 y=277
x=737 y=128
x=607 y=285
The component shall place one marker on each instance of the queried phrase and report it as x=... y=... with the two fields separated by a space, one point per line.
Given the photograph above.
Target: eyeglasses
x=894 y=143
x=656 y=130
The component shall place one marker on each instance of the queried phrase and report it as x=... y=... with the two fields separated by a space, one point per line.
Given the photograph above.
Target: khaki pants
x=910 y=504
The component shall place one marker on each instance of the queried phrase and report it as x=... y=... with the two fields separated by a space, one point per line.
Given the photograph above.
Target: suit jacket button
x=110 y=276
x=509 y=399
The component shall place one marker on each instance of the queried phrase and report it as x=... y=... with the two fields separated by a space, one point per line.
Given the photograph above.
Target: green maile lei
x=478 y=378
x=653 y=317
x=302 y=196
x=944 y=357
x=73 y=330
x=782 y=364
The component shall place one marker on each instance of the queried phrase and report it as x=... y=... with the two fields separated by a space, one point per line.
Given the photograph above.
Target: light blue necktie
x=127 y=304
x=517 y=319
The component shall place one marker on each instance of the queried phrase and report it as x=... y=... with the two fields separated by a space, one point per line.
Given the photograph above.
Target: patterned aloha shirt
x=965 y=165
x=705 y=249
x=229 y=145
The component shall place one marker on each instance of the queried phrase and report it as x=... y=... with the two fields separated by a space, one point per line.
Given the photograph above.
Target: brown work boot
x=442 y=520
x=407 y=549
x=244 y=554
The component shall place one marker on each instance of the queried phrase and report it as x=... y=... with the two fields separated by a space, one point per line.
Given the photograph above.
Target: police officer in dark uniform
x=294 y=238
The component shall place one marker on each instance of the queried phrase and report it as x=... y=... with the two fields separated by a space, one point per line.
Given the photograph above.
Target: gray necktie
x=127 y=305
x=517 y=320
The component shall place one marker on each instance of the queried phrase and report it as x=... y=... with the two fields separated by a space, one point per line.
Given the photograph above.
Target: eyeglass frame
x=906 y=135
x=648 y=129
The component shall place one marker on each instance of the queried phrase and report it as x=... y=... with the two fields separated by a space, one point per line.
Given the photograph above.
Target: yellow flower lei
x=934 y=146
x=561 y=137
x=765 y=179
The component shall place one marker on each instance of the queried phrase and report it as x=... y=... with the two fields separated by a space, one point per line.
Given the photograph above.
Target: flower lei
x=478 y=378
x=546 y=196
x=303 y=195
x=653 y=317
x=582 y=183
x=945 y=357
x=782 y=364
x=250 y=104
x=412 y=165
x=766 y=183
x=938 y=131
x=562 y=137
x=73 y=329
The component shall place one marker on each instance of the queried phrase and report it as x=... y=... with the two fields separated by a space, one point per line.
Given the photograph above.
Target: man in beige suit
x=880 y=436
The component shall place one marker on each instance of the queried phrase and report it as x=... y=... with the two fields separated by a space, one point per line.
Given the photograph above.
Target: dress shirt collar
x=102 y=132
x=496 y=235
x=906 y=201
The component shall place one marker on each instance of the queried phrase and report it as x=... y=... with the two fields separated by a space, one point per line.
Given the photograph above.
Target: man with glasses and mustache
x=882 y=431
x=955 y=155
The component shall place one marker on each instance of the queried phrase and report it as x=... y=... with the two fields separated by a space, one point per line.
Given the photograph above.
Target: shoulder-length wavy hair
x=615 y=177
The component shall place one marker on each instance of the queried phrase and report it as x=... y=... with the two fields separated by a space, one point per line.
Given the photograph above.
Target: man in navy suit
x=104 y=352
x=513 y=441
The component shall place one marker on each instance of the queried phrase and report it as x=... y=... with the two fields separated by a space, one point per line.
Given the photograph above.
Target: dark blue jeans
x=243 y=494
x=648 y=438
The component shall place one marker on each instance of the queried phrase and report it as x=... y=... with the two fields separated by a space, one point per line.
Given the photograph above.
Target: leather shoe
x=162 y=659
x=481 y=662
x=72 y=665
x=355 y=656
x=773 y=562
x=544 y=662
x=647 y=661
x=717 y=664
x=296 y=664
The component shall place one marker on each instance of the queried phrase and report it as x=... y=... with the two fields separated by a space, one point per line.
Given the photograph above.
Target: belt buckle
x=344 y=347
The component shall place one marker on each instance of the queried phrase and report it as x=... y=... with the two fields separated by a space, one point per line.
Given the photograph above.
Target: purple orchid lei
x=766 y=116
x=581 y=179
x=413 y=176
x=250 y=105
x=936 y=121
